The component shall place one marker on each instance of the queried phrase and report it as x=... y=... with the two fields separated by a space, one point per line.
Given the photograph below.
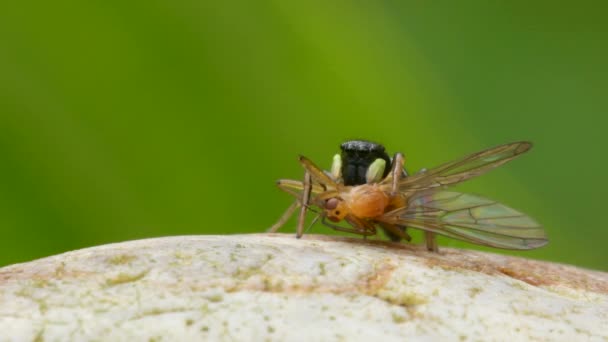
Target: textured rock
x=276 y=287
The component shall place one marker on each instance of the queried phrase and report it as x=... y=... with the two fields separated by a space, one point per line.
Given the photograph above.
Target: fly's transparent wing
x=321 y=184
x=317 y=175
x=468 y=167
x=470 y=218
x=296 y=188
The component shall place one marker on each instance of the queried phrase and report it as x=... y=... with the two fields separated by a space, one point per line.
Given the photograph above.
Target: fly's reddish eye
x=331 y=203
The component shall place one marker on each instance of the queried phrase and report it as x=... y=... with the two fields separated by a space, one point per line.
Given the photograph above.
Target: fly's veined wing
x=322 y=186
x=468 y=167
x=296 y=188
x=470 y=218
x=317 y=175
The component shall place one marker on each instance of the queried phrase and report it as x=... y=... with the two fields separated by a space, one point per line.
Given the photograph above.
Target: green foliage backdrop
x=124 y=119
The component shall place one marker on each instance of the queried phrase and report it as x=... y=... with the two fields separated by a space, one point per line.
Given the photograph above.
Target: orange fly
x=369 y=190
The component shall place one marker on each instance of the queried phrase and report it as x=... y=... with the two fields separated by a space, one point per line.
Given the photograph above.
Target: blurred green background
x=123 y=120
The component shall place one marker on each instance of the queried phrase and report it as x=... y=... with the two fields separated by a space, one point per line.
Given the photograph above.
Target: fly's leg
x=395 y=232
x=285 y=186
x=407 y=237
x=431 y=242
x=362 y=225
x=357 y=230
x=429 y=237
x=398 y=171
x=304 y=203
x=285 y=217
x=312 y=223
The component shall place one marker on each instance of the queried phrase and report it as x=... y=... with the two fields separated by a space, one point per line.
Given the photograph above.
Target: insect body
x=392 y=200
x=362 y=162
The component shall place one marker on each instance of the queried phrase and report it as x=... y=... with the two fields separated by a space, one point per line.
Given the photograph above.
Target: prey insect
x=368 y=190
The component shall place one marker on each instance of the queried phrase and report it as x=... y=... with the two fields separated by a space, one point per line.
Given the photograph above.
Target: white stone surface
x=278 y=288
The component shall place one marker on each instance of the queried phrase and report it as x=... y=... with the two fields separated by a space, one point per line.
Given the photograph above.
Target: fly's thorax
x=367 y=201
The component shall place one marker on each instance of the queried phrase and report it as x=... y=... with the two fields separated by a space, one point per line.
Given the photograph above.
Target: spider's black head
x=357 y=156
